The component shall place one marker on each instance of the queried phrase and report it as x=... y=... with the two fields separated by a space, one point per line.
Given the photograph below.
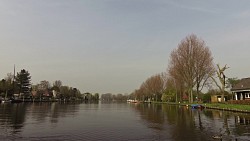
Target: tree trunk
x=197 y=90
x=223 y=93
x=191 y=96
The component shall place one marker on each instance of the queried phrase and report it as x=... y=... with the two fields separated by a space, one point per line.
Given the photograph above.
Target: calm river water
x=119 y=121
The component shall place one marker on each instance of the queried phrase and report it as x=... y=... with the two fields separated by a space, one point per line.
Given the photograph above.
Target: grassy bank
x=218 y=106
x=229 y=107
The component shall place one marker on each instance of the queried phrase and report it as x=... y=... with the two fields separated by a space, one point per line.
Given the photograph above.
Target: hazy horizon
x=112 y=46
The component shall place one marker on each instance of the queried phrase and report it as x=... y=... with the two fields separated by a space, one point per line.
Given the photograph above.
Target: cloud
x=242 y=14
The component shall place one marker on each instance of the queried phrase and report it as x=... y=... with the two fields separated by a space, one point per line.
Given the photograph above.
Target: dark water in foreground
x=119 y=121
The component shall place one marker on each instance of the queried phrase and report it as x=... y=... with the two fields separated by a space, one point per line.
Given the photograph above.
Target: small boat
x=132 y=101
x=197 y=106
x=217 y=137
x=11 y=100
x=6 y=101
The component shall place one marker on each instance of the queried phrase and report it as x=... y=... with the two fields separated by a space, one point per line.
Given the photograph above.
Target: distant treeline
x=112 y=97
x=19 y=86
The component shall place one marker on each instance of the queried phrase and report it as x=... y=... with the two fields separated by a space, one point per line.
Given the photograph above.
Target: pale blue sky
x=114 y=45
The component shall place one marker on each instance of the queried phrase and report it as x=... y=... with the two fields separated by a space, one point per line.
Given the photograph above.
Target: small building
x=241 y=90
x=217 y=98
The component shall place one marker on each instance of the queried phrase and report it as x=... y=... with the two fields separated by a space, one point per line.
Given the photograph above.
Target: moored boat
x=197 y=106
x=132 y=101
x=6 y=101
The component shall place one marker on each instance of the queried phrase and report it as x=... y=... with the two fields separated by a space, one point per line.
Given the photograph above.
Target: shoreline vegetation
x=216 y=106
x=229 y=107
x=191 y=69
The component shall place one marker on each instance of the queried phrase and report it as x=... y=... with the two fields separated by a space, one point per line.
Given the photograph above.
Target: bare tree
x=43 y=88
x=191 y=64
x=170 y=92
x=9 y=77
x=204 y=67
x=57 y=83
x=153 y=87
x=44 y=85
x=9 y=81
x=222 y=79
x=178 y=83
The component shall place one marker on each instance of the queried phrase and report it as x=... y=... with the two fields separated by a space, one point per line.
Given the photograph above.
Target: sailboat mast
x=14 y=77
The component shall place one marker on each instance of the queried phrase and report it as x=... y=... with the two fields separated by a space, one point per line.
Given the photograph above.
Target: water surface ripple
x=119 y=121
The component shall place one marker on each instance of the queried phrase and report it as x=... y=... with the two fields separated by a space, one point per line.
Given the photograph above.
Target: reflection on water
x=118 y=121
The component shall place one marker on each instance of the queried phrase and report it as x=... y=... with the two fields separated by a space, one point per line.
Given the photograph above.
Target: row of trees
x=114 y=97
x=151 y=89
x=11 y=84
x=190 y=69
x=20 y=86
x=56 y=90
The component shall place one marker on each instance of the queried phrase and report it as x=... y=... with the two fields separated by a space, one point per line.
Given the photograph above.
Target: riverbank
x=228 y=107
x=217 y=106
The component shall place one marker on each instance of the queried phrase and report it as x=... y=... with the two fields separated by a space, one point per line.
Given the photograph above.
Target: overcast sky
x=114 y=45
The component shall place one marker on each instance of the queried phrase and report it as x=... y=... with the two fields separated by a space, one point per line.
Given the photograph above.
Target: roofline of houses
x=241 y=90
